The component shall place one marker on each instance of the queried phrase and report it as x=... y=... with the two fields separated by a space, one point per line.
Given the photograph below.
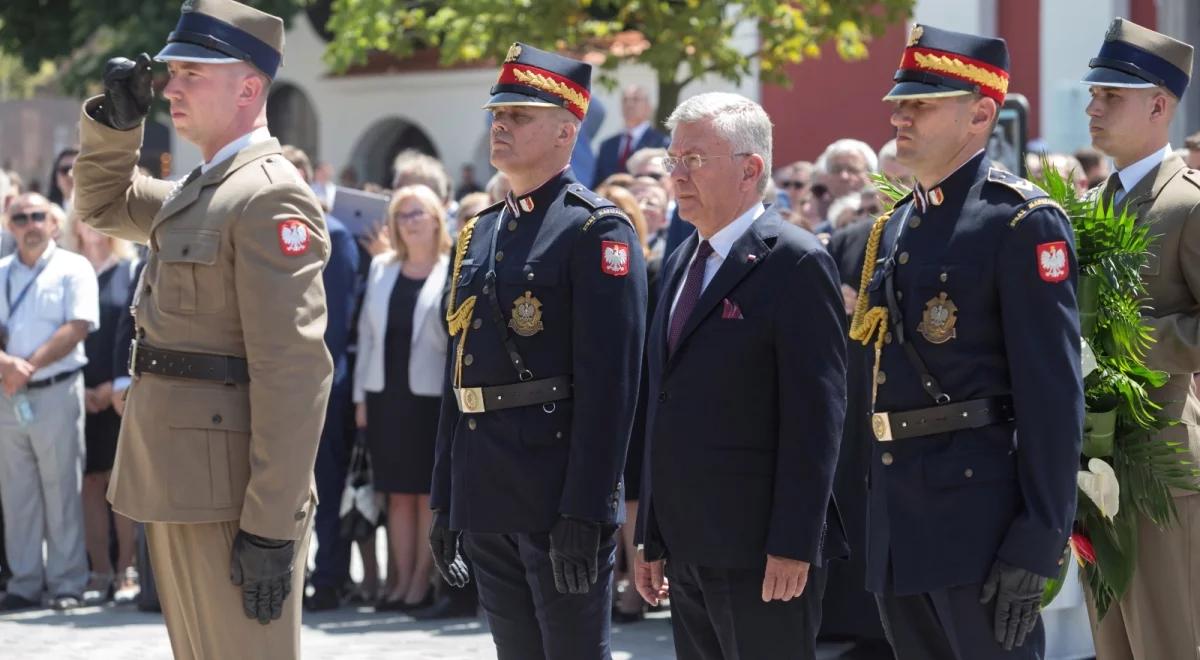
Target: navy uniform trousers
x=529 y=618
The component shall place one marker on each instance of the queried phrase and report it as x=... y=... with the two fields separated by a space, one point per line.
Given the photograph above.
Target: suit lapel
x=187 y=195
x=430 y=290
x=746 y=253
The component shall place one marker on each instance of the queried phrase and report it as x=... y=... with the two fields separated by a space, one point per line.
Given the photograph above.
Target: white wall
x=971 y=16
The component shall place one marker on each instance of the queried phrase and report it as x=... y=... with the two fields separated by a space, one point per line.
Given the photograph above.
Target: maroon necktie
x=626 y=148
x=689 y=295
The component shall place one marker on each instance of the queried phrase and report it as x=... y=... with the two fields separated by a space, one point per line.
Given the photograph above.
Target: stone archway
x=292 y=119
x=378 y=146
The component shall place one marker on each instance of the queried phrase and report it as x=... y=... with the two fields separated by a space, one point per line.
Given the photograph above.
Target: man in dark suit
x=747 y=398
x=638 y=134
x=331 y=568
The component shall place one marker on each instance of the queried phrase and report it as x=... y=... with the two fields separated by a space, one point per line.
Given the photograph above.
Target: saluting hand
x=128 y=92
x=785 y=579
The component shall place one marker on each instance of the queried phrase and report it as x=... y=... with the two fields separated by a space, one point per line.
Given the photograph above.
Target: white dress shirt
x=632 y=137
x=66 y=290
x=260 y=134
x=721 y=242
x=1133 y=174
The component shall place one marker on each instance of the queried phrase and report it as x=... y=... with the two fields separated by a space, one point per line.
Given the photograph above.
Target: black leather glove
x=574 y=544
x=127 y=93
x=262 y=567
x=443 y=542
x=1018 y=594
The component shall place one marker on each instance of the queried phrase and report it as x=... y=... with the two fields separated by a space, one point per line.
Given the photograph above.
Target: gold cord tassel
x=873 y=322
x=458 y=319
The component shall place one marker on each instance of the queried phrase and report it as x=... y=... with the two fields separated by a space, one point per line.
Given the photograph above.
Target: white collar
x=1132 y=175
x=42 y=259
x=260 y=134
x=722 y=241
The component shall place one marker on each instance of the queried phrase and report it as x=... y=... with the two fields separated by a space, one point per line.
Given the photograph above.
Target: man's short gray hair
x=848 y=146
x=738 y=120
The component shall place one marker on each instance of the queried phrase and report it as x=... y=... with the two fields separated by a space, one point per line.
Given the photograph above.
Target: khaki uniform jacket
x=1168 y=198
x=223 y=277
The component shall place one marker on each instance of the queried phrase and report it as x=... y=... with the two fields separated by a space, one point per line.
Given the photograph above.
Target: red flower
x=1083 y=547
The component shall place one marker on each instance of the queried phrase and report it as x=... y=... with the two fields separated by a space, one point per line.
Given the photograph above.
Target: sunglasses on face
x=819 y=190
x=798 y=185
x=22 y=219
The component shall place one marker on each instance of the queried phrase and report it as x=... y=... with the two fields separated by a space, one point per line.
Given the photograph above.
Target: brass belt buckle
x=470 y=399
x=881 y=424
x=133 y=351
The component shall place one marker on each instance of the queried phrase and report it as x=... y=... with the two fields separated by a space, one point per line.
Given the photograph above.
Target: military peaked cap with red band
x=940 y=63
x=535 y=77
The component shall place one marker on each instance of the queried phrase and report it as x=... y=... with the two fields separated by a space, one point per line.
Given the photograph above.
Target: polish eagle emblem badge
x=293 y=237
x=614 y=258
x=938 y=320
x=526 y=318
x=1052 y=261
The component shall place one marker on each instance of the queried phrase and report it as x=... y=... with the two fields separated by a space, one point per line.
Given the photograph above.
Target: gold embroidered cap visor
x=532 y=77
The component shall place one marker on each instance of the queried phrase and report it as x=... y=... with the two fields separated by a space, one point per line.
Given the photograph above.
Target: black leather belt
x=56 y=378
x=499 y=397
x=972 y=414
x=144 y=359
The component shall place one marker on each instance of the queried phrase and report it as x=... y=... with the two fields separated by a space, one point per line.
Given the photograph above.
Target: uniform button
x=486 y=288
x=887 y=338
x=662 y=396
x=299 y=515
x=469 y=359
x=899 y=295
x=1060 y=561
x=499 y=255
x=512 y=225
x=147 y=289
x=558 y=434
x=216 y=419
x=944 y=276
x=477 y=324
x=880 y=378
x=529 y=275
x=471 y=423
x=886 y=458
x=914 y=222
x=185 y=250
x=968 y=473
x=903 y=258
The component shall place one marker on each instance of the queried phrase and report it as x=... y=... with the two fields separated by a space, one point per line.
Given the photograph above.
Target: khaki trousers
x=203 y=609
x=1159 y=616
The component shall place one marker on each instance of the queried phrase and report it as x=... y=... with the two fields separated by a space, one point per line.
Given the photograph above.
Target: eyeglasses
x=798 y=185
x=691 y=162
x=22 y=219
x=819 y=190
x=411 y=216
x=838 y=170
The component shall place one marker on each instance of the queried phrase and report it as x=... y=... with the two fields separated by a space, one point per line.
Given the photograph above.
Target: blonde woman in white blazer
x=398 y=381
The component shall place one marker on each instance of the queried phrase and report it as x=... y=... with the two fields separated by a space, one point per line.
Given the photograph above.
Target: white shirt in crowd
x=260 y=134
x=66 y=290
x=721 y=242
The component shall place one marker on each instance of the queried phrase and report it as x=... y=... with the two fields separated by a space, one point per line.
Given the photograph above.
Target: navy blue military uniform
x=979 y=399
x=547 y=319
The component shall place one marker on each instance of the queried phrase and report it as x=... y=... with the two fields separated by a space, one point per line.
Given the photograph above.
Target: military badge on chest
x=937 y=322
x=526 y=318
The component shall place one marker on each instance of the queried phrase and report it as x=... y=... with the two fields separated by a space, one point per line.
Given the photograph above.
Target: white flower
x=1089 y=359
x=1099 y=483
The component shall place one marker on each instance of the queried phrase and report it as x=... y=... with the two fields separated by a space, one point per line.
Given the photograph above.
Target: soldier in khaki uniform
x=231 y=374
x=1136 y=83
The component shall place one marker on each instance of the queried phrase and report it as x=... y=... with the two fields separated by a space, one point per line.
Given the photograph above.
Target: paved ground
x=123 y=633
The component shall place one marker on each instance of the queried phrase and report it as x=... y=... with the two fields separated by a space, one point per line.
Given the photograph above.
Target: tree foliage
x=83 y=34
x=681 y=40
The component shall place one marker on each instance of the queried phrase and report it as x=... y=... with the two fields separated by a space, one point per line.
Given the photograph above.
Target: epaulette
x=1192 y=176
x=606 y=212
x=589 y=198
x=484 y=211
x=1023 y=187
x=1029 y=206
